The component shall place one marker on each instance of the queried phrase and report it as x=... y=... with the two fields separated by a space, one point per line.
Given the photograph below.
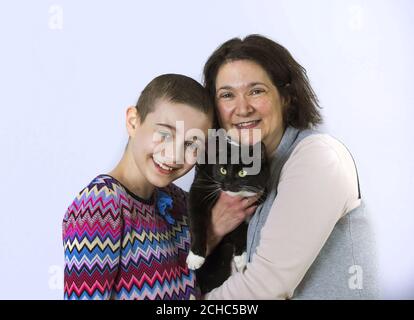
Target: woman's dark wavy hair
x=288 y=76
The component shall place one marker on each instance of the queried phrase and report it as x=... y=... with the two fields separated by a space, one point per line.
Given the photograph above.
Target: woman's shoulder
x=320 y=141
x=322 y=148
x=322 y=156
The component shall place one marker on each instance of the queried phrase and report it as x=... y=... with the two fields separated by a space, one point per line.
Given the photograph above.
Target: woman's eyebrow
x=252 y=84
x=225 y=88
x=249 y=85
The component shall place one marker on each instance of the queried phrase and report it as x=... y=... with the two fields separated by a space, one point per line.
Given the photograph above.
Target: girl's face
x=164 y=146
x=247 y=99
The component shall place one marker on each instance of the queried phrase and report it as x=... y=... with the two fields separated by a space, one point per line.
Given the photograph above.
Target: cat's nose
x=226 y=187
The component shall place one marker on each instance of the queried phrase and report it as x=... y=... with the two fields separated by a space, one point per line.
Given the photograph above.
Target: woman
x=310 y=239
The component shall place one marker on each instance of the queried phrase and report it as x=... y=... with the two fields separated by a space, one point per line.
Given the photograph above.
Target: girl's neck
x=131 y=177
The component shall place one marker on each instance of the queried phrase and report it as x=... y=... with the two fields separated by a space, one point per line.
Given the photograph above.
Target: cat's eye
x=242 y=173
x=223 y=171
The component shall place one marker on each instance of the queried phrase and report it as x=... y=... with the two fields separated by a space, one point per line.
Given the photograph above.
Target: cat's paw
x=240 y=261
x=194 y=261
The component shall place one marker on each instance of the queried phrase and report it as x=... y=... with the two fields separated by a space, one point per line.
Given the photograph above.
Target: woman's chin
x=245 y=136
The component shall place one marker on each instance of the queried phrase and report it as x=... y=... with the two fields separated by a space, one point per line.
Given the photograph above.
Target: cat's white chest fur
x=239 y=262
x=243 y=194
x=194 y=261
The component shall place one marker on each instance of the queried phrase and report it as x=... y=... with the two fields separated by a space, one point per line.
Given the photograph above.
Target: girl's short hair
x=175 y=88
x=287 y=75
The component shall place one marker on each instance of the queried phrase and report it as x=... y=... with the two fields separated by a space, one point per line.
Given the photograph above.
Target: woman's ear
x=286 y=100
x=132 y=120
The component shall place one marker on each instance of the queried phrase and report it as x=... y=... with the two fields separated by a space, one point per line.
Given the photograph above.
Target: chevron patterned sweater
x=118 y=246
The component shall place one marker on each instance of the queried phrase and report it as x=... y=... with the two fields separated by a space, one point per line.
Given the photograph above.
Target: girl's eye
x=242 y=173
x=165 y=135
x=223 y=171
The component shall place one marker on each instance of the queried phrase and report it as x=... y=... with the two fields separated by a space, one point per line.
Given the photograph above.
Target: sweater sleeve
x=317 y=186
x=92 y=229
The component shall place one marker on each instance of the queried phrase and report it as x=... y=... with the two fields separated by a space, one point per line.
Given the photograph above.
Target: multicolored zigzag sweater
x=119 y=246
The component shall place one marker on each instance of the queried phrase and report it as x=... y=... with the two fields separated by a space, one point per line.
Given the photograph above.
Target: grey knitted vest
x=346 y=266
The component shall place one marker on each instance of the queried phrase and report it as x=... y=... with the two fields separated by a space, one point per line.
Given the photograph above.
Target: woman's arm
x=317 y=186
x=92 y=245
x=226 y=215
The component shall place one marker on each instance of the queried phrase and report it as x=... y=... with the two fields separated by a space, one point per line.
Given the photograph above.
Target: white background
x=69 y=69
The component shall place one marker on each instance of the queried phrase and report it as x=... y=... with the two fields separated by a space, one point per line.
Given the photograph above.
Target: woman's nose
x=243 y=108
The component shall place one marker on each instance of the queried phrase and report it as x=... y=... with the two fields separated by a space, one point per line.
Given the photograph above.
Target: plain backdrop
x=69 y=69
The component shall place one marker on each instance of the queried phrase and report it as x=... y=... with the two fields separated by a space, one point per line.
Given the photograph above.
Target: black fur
x=209 y=181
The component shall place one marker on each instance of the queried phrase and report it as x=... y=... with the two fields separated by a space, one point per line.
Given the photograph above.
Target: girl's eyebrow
x=166 y=125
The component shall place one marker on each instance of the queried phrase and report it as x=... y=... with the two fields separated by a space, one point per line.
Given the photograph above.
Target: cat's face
x=234 y=179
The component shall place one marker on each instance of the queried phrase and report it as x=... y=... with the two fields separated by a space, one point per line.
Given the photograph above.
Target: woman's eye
x=223 y=171
x=255 y=92
x=226 y=95
x=242 y=173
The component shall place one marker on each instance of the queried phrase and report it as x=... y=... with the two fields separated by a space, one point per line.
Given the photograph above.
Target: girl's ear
x=132 y=120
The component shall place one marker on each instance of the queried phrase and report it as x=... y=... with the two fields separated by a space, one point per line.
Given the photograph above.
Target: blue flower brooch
x=164 y=202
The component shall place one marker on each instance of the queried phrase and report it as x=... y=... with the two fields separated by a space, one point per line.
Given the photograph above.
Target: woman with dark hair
x=311 y=238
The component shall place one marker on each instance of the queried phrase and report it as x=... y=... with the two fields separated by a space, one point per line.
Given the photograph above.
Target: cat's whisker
x=199 y=181
x=204 y=176
x=253 y=189
x=201 y=187
x=211 y=194
x=209 y=181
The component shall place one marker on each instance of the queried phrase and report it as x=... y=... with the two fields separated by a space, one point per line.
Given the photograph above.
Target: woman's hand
x=227 y=214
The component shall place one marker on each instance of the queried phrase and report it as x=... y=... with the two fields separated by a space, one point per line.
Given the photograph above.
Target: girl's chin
x=159 y=182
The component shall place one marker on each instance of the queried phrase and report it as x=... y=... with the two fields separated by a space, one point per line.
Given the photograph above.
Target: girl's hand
x=226 y=215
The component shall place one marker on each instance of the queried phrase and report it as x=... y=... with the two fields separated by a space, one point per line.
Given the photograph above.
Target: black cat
x=209 y=181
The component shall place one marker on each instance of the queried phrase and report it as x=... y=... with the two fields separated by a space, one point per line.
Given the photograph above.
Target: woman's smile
x=247 y=124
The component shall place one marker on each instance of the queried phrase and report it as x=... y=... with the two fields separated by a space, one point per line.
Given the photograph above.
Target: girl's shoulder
x=100 y=197
x=174 y=190
x=179 y=198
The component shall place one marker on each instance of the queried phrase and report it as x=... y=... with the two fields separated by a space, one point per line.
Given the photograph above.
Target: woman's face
x=247 y=99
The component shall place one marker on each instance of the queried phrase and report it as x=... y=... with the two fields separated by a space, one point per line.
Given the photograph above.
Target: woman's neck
x=127 y=172
x=273 y=142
